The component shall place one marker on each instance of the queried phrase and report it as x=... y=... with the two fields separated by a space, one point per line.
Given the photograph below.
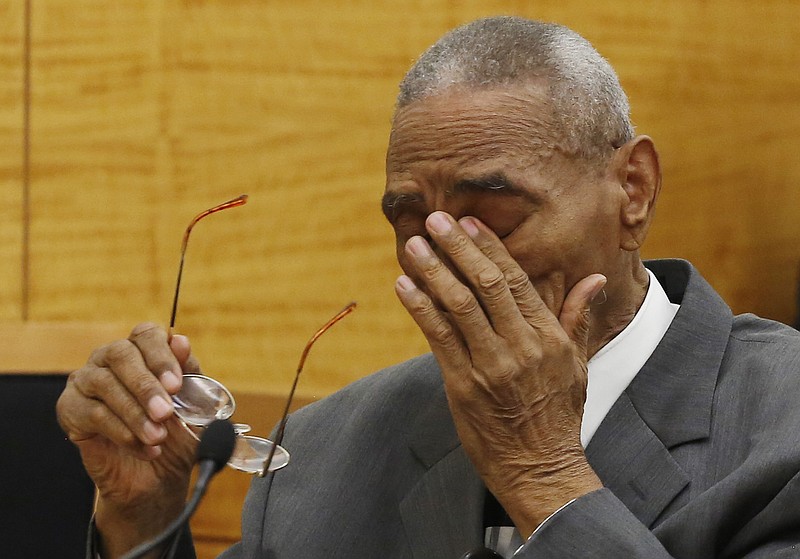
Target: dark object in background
x=46 y=497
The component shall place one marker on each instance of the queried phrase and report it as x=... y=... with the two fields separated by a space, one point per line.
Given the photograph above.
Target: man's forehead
x=474 y=123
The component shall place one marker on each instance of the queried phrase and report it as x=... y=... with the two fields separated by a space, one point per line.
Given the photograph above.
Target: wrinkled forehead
x=474 y=125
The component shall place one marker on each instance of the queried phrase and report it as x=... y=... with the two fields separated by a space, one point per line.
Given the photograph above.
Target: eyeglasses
x=202 y=399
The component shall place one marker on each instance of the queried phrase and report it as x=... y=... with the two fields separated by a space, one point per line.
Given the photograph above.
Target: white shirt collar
x=613 y=368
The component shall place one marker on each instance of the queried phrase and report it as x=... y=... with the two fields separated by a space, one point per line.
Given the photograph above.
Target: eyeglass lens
x=201 y=400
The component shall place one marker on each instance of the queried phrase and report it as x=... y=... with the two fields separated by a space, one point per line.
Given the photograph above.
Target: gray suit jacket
x=699 y=457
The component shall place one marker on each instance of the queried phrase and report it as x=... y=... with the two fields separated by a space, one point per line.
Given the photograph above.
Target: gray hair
x=586 y=96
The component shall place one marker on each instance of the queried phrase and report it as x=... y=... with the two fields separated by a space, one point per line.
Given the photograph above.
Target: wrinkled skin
x=506 y=239
x=117 y=410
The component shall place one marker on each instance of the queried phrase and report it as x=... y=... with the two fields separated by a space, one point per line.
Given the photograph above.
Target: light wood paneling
x=12 y=33
x=38 y=347
x=156 y=126
x=146 y=112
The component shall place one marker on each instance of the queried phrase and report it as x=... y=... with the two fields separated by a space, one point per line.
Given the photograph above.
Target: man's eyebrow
x=393 y=202
x=493 y=183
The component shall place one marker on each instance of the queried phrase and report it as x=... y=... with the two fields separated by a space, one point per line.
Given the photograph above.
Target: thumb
x=183 y=353
x=574 y=317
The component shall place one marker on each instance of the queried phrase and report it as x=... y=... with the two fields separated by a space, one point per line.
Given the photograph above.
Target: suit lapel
x=634 y=464
x=668 y=403
x=443 y=513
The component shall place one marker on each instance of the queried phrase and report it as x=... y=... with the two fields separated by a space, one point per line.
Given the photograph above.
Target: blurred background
x=119 y=121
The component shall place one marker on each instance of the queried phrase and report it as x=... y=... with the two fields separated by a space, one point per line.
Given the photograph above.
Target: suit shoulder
x=752 y=328
x=761 y=371
x=398 y=389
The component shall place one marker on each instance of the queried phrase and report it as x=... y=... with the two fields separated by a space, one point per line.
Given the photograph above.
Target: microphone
x=213 y=452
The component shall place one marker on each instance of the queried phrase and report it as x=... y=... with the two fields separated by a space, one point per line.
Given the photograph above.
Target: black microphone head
x=217 y=443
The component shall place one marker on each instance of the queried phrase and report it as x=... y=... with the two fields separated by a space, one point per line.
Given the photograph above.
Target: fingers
x=500 y=296
x=182 y=351
x=437 y=329
x=574 y=317
x=155 y=347
x=118 y=396
x=84 y=418
x=528 y=301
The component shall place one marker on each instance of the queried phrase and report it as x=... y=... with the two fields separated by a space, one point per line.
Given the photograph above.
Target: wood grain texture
x=11 y=157
x=146 y=112
x=47 y=347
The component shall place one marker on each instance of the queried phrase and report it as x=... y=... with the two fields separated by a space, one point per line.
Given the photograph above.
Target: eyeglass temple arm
x=238 y=201
x=350 y=307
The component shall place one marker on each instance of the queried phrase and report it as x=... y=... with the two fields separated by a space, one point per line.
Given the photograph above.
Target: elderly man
x=520 y=197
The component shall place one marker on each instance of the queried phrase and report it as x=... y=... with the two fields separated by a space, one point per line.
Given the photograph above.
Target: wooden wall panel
x=95 y=149
x=146 y=112
x=719 y=95
x=12 y=47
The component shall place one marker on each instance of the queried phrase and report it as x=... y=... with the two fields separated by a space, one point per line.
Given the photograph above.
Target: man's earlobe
x=639 y=175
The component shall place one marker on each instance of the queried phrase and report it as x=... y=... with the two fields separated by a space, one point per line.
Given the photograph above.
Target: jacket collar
x=673 y=392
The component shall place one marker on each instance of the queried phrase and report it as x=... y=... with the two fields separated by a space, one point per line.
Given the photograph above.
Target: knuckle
x=118 y=351
x=442 y=332
x=126 y=438
x=459 y=245
x=505 y=377
x=531 y=355
x=97 y=414
x=146 y=330
x=144 y=385
x=463 y=303
x=518 y=282
x=63 y=411
x=491 y=282
x=83 y=381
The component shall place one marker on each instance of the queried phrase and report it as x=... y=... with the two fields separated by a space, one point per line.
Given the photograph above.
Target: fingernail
x=469 y=227
x=159 y=408
x=154 y=432
x=439 y=223
x=180 y=337
x=404 y=283
x=599 y=288
x=419 y=247
x=170 y=381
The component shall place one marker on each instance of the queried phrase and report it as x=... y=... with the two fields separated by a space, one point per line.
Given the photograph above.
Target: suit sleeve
x=599 y=526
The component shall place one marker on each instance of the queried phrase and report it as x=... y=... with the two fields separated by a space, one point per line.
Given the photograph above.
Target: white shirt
x=611 y=370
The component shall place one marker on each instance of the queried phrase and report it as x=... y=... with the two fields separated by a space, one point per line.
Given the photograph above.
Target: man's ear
x=638 y=172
